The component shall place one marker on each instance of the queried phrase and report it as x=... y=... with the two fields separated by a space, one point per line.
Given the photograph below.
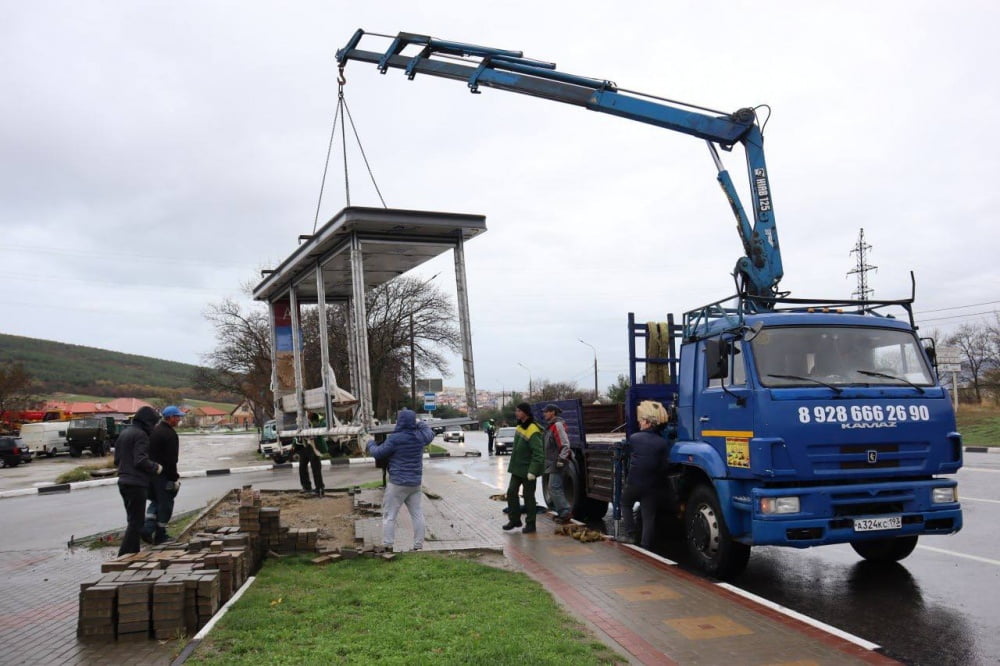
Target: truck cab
x=806 y=427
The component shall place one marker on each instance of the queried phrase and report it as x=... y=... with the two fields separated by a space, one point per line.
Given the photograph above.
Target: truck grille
x=897 y=456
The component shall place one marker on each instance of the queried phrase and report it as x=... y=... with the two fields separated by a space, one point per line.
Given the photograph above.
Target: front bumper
x=828 y=513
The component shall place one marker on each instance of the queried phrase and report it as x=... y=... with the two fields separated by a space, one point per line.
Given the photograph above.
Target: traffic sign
x=430 y=402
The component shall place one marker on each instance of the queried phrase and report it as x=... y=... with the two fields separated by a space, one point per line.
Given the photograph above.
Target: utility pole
x=595 y=367
x=530 y=387
x=861 y=249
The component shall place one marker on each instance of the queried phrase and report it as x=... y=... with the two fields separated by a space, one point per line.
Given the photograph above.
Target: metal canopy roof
x=393 y=241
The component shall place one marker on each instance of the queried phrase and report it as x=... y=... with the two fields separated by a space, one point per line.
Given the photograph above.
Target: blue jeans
x=161 y=507
x=557 y=492
x=392 y=500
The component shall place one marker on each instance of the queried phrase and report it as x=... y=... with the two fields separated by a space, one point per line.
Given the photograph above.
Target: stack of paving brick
x=301 y=539
x=271 y=532
x=168 y=609
x=98 y=604
x=133 y=610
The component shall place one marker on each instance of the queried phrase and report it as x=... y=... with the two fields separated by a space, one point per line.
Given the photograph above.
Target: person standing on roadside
x=404 y=451
x=309 y=458
x=164 y=448
x=557 y=455
x=135 y=472
x=527 y=462
x=647 y=470
x=491 y=431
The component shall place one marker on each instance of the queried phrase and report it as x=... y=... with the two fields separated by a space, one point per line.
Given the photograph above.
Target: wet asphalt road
x=941 y=605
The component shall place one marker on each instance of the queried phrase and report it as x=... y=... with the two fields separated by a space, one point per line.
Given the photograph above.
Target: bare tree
x=16 y=385
x=978 y=349
x=546 y=390
x=241 y=361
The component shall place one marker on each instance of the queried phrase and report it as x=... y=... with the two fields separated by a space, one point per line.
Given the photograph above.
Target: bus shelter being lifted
x=358 y=249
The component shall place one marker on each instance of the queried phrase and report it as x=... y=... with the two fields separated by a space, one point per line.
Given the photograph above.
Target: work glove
x=173 y=486
x=531 y=477
x=369 y=445
x=159 y=468
x=560 y=464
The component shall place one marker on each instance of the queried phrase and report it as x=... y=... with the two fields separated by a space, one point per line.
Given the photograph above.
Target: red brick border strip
x=630 y=641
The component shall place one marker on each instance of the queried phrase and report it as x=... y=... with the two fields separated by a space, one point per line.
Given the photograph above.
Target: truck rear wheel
x=885 y=550
x=711 y=547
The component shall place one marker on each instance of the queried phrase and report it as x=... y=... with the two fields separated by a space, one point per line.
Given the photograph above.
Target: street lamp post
x=530 y=388
x=595 y=367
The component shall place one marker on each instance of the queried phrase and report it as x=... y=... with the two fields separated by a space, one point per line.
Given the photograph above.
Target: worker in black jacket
x=164 y=447
x=135 y=469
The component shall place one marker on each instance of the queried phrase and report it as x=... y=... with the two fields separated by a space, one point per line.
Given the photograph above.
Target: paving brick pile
x=174 y=590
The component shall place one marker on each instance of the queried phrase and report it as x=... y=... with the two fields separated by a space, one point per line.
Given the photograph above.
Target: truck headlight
x=774 y=505
x=944 y=495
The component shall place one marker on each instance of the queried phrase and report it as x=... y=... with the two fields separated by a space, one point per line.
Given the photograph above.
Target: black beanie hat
x=525 y=407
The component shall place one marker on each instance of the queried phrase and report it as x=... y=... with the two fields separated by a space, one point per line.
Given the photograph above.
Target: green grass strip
x=416 y=609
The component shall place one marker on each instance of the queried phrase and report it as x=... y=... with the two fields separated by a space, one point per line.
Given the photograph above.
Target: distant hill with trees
x=57 y=367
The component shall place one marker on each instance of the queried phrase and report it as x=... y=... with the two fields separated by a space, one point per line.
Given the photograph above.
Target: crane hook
x=340 y=76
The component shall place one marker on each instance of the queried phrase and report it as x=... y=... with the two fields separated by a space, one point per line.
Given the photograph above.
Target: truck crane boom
x=758 y=272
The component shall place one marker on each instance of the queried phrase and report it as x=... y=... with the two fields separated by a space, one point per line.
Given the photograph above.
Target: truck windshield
x=839 y=355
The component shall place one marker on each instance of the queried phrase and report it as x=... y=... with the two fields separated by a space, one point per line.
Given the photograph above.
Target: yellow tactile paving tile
x=708 y=627
x=647 y=593
x=602 y=569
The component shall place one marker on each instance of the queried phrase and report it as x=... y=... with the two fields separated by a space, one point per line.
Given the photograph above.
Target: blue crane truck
x=794 y=422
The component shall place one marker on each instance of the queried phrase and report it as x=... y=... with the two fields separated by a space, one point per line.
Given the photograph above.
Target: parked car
x=454 y=434
x=504 y=441
x=13 y=452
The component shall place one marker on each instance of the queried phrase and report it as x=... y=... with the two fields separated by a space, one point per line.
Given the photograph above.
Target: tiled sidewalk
x=652 y=612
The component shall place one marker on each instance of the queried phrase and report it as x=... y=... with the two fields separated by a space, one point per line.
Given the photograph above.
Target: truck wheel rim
x=705 y=532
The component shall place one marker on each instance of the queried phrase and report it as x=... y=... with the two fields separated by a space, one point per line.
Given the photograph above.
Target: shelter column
x=360 y=312
x=324 y=344
x=465 y=328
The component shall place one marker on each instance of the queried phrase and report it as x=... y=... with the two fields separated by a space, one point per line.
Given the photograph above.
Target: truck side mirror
x=716 y=359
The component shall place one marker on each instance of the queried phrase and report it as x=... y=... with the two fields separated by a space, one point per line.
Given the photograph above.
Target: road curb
x=80 y=485
x=982 y=449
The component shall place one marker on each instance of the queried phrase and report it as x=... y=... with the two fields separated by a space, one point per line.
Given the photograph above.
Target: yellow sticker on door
x=738 y=452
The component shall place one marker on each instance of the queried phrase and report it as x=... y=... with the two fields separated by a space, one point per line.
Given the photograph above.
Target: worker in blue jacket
x=404 y=451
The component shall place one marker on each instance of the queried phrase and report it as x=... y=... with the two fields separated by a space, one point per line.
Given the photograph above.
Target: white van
x=48 y=437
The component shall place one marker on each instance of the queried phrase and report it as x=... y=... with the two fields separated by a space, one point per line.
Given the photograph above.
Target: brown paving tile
x=708 y=627
x=647 y=593
x=571 y=549
x=602 y=569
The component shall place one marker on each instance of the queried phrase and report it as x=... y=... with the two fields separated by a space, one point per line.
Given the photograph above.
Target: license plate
x=877 y=524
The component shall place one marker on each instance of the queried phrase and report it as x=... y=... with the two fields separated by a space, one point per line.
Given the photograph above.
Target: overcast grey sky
x=155 y=155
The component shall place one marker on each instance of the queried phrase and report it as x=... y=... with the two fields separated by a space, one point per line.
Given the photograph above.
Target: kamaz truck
x=795 y=422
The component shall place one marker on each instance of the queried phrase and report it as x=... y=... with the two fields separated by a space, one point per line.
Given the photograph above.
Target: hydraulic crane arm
x=758 y=272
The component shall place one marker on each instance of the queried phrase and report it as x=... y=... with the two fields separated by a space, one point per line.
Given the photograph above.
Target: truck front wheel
x=711 y=547
x=885 y=550
x=75 y=451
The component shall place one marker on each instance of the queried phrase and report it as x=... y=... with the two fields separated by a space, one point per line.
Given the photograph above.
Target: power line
x=957 y=307
x=961 y=316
